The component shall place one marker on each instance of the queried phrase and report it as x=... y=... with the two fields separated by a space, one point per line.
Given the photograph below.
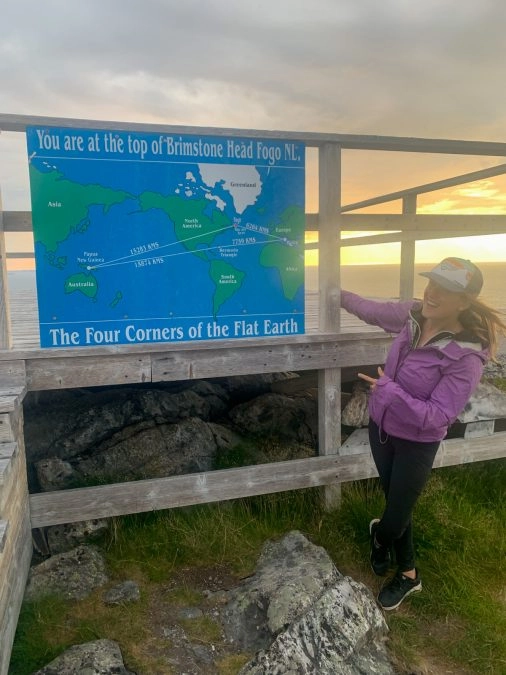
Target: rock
x=487 y=402
x=128 y=591
x=309 y=618
x=189 y=613
x=150 y=451
x=290 y=574
x=74 y=424
x=341 y=634
x=245 y=387
x=356 y=410
x=101 y=657
x=71 y=575
x=54 y=474
x=294 y=419
x=65 y=537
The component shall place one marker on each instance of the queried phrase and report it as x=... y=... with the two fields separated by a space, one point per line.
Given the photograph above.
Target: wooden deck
x=25 y=320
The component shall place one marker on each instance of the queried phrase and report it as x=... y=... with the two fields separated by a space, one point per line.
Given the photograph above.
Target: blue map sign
x=148 y=237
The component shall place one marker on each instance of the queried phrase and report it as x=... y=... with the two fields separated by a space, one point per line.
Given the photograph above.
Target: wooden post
x=5 y=320
x=407 y=272
x=329 y=379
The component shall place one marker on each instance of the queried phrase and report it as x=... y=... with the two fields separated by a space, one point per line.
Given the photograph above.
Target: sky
x=430 y=70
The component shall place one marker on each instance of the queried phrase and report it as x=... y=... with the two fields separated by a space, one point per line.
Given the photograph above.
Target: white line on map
x=133 y=258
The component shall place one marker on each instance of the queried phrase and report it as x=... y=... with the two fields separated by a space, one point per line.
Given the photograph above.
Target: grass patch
x=458 y=622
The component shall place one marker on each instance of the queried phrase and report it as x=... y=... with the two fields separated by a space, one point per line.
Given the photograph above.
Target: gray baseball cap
x=457 y=275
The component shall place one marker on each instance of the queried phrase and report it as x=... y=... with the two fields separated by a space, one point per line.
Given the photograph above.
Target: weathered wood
x=419 y=222
x=12 y=378
x=55 y=508
x=59 y=369
x=407 y=271
x=9 y=425
x=462 y=451
x=329 y=379
x=395 y=237
x=13 y=584
x=478 y=429
x=461 y=179
x=315 y=353
x=92 y=371
x=147 y=495
x=5 y=319
x=8 y=453
x=17 y=549
x=17 y=221
x=13 y=465
x=4 y=526
x=13 y=122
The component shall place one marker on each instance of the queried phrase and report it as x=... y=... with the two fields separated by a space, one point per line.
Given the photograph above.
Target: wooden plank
x=14 y=122
x=9 y=426
x=18 y=553
x=309 y=356
x=8 y=450
x=462 y=451
x=329 y=378
x=452 y=451
x=12 y=377
x=18 y=221
x=15 y=559
x=329 y=254
x=407 y=271
x=200 y=362
x=428 y=187
x=4 y=526
x=94 y=371
x=13 y=489
x=418 y=222
x=5 y=468
x=148 y=495
x=5 y=316
x=478 y=429
x=65 y=506
x=417 y=235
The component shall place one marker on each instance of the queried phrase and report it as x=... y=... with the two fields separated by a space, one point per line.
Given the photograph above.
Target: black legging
x=404 y=468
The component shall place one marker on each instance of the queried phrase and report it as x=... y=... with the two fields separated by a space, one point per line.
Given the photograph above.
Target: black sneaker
x=380 y=555
x=398 y=588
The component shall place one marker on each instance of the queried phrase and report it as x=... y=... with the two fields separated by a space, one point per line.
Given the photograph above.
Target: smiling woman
x=431 y=371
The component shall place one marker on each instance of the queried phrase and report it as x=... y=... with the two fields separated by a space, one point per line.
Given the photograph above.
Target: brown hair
x=486 y=323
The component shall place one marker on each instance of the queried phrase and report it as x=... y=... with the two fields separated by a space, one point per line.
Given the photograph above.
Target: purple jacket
x=423 y=389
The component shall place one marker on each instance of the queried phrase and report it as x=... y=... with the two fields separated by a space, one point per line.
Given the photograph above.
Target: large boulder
x=302 y=615
x=487 y=402
x=74 y=423
x=72 y=575
x=101 y=657
x=143 y=450
x=292 y=419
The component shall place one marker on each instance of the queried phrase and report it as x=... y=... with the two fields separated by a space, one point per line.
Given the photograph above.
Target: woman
x=431 y=371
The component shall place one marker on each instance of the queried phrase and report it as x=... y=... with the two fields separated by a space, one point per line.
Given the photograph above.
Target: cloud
x=393 y=67
x=431 y=69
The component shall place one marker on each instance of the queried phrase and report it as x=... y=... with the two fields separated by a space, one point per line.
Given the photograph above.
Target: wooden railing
x=327 y=351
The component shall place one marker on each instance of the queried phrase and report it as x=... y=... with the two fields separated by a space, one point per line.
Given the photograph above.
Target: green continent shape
x=227 y=280
x=60 y=206
x=82 y=283
x=193 y=229
x=286 y=258
x=117 y=298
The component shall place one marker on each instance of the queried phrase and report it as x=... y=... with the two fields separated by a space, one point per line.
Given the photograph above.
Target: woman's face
x=442 y=305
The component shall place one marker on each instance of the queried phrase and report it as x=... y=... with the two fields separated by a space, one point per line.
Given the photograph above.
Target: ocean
x=378 y=281
x=382 y=281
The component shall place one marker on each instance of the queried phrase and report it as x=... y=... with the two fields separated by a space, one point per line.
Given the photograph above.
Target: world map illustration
x=203 y=242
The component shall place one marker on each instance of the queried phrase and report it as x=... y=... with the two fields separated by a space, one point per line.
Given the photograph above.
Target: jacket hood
x=454 y=345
